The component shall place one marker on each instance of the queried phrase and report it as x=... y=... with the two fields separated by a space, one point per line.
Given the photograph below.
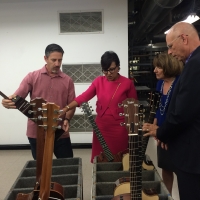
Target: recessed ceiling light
x=190 y=19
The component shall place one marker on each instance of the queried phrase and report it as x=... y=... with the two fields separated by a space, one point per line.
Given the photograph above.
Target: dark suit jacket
x=181 y=129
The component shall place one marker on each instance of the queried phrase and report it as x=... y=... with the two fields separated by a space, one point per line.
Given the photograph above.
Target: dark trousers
x=62 y=147
x=189 y=185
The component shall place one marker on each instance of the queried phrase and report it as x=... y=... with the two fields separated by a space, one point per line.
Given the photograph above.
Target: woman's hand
x=64 y=110
x=149 y=129
x=65 y=125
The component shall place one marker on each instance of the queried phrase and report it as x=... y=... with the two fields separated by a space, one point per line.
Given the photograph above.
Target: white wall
x=26 y=28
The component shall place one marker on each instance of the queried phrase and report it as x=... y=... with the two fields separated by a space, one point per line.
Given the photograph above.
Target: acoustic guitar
x=153 y=104
x=26 y=108
x=47 y=190
x=154 y=101
x=106 y=155
x=132 y=189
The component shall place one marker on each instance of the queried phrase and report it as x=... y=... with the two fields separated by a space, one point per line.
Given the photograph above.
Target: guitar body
x=125 y=162
x=124 y=189
x=56 y=193
x=116 y=158
x=146 y=165
x=122 y=197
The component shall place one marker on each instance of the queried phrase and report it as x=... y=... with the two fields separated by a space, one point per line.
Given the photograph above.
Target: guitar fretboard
x=105 y=148
x=86 y=108
x=155 y=99
x=145 y=140
x=135 y=169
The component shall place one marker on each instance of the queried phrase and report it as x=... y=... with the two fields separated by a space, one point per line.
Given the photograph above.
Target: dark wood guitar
x=154 y=104
x=132 y=190
x=47 y=190
x=106 y=155
x=26 y=108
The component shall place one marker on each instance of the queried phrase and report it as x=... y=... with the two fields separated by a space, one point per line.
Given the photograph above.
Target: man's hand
x=65 y=125
x=150 y=129
x=163 y=145
x=8 y=103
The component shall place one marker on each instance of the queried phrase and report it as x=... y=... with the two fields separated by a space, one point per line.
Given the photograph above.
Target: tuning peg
x=39 y=109
x=58 y=119
x=30 y=111
x=33 y=119
x=120 y=105
x=122 y=124
x=57 y=127
x=58 y=111
x=42 y=118
x=33 y=104
x=42 y=109
x=121 y=114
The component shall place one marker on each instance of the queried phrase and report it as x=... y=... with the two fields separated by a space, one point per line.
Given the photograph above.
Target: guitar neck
x=50 y=122
x=104 y=146
x=154 y=104
x=135 y=167
x=145 y=140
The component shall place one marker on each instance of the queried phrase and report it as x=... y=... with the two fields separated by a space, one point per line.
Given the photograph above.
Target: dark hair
x=170 y=65
x=107 y=58
x=52 y=48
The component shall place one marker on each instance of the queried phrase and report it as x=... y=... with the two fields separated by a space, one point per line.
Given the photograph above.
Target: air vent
x=81 y=22
x=80 y=123
x=82 y=73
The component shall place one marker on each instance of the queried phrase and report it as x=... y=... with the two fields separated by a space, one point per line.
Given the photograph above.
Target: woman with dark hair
x=167 y=70
x=110 y=89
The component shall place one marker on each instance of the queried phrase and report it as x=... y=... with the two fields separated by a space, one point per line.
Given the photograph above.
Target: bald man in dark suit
x=181 y=129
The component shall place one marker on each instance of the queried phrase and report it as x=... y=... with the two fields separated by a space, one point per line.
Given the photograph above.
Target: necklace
x=163 y=107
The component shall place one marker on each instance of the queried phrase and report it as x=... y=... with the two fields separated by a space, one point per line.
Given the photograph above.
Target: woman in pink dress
x=111 y=89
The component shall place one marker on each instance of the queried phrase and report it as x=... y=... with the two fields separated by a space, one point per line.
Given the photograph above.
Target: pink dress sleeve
x=87 y=95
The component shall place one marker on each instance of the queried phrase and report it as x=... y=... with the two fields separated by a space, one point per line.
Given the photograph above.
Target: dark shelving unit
x=141 y=68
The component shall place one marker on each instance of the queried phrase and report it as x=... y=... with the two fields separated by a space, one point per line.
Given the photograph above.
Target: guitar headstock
x=131 y=107
x=37 y=110
x=154 y=101
x=141 y=115
x=50 y=117
x=86 y=108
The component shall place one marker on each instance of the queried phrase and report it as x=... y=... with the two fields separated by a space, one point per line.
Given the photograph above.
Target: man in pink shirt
x=51 y=84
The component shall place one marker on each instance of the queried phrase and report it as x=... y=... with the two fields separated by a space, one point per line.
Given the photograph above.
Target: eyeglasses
x=169 y=46
x=111 y=70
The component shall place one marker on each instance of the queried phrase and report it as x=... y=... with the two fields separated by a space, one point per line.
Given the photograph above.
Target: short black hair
x=52 y=48
x=107 y=58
